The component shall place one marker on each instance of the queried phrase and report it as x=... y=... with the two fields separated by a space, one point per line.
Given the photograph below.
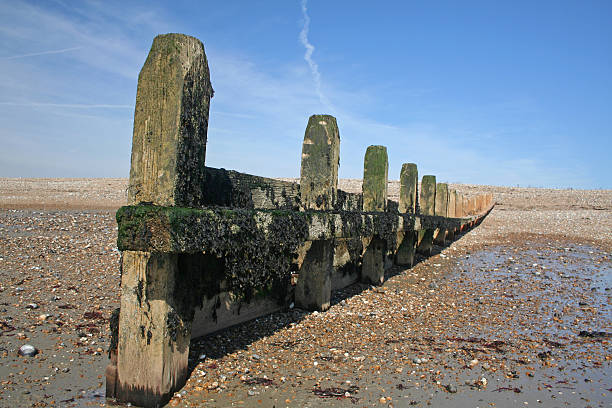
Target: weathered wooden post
x=375 y=173
x=450 y=234
x=168 y=154
x=318 y=190
x=458 y=205
x=472 y=207
x=320 y=161
x=459 y=209
x=441 y=210
x=409 y=178
x=427 y=203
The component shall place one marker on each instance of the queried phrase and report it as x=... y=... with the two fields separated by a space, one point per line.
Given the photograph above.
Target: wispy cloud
x=314 y=67
x=96 y=29
x=36 y=54
x=66 y=105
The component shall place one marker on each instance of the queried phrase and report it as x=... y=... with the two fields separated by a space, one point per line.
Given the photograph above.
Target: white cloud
x=67 y=105
x=314 y=67
x=36 y=54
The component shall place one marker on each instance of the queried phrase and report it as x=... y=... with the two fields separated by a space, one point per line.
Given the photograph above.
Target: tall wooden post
x=168 y=155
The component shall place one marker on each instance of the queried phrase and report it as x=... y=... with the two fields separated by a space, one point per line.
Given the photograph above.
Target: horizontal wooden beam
x=191 y=230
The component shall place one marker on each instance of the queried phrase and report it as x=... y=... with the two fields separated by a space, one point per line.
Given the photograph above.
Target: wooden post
x=375 y=173
x=154 y=333
x=320 y=161
x=427 y=199
x=409 y=177
x=441 y=210
x=313 y=289
x=458 y=205
x=407 y=204
x=427 y=202
x=450 y=234
x=168 y=155
x=318 y=190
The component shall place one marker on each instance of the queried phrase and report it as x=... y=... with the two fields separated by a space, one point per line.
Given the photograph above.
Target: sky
x=515 y=93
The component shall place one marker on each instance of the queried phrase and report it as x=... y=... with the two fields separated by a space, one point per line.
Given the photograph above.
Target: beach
x=514 y=312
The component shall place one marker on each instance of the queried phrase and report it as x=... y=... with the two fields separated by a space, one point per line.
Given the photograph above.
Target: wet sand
x=515 y=312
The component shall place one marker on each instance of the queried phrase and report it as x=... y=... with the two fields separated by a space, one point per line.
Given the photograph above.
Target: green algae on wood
x=427 y=200
x=256 y=248
x=441 y=207
x=320 y=161
x=409 y=178
x=193 y=230
x=171 y=123
x=375 y=173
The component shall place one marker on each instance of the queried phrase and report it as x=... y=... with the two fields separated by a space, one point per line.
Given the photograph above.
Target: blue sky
x=504 y=93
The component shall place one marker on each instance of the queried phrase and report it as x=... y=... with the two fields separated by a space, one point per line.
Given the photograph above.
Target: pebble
x=28 y=350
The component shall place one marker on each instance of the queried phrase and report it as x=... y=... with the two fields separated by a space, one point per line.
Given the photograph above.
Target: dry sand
x=522 y=301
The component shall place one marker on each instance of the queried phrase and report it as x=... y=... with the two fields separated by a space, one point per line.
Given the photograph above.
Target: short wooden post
x=442 y=211
x=375 y=173
x=427 y=199
x=409 y=177
x=458 y=205
x=320 y=161
x=407 y=204
x=427 y=202
x=450 y=213
x=318 y=191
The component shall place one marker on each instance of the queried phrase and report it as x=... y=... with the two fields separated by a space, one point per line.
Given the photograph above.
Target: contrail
x=35 y=54
x=67 y=105
x=314 y=68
